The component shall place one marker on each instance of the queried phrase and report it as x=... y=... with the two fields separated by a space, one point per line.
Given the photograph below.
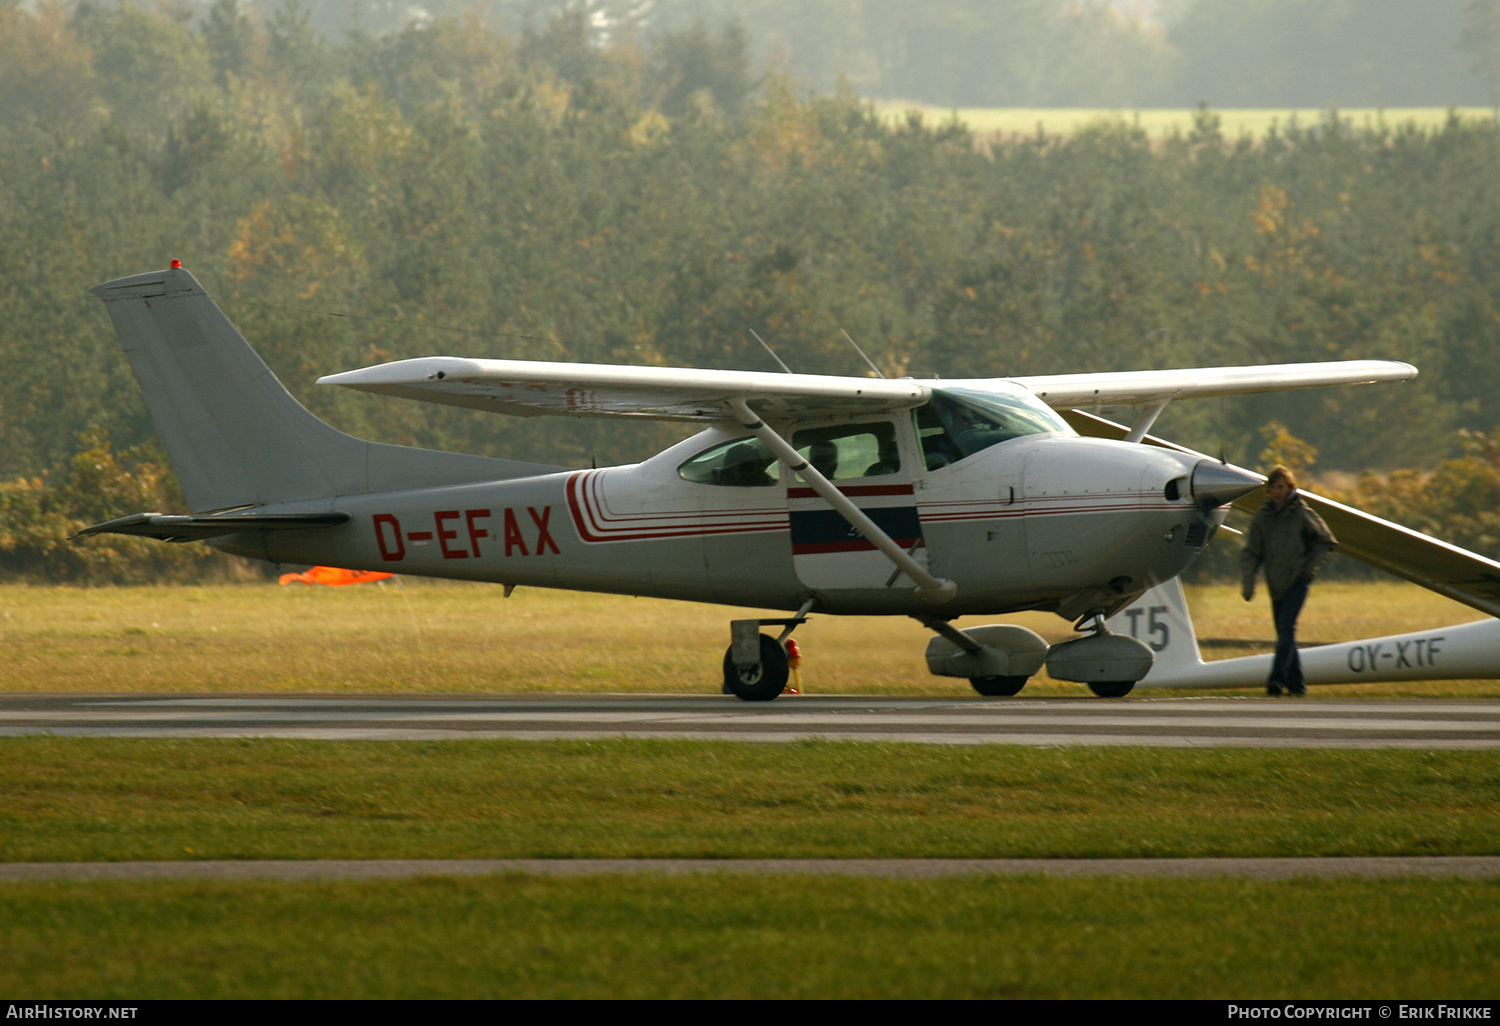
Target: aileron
x=1064 y=391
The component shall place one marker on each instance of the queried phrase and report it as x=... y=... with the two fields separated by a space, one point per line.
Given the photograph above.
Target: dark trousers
x=1286 y=668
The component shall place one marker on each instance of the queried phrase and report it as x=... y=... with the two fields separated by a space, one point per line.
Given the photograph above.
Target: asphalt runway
x=1160 y=722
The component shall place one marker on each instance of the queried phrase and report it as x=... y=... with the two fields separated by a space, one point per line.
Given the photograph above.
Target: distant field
x=1158 y=124
x=418 y=636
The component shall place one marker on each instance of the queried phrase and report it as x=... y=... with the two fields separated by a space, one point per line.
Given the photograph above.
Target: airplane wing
x=1459 y=574
x=1066 y=391
x=528 y=388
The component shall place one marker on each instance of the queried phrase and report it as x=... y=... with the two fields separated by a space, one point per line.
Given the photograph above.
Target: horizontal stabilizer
x=175 y=528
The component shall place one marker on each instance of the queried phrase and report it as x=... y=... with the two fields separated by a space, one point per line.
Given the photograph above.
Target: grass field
x=424 y=637
x=740 y=936
x=731 y=936
x=1010 y=122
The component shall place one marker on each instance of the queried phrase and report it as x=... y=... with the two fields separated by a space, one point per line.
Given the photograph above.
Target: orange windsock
x=334 y=576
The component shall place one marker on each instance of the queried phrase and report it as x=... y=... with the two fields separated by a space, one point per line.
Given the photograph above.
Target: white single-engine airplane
x=842 y=495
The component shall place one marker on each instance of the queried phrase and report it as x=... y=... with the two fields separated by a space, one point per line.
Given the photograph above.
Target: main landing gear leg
x=755 y=666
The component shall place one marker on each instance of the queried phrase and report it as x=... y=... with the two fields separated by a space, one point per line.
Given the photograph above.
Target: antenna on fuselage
x=861 y=353
x=770 y=350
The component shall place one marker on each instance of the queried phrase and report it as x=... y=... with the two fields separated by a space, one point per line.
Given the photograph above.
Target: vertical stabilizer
x=235 y=436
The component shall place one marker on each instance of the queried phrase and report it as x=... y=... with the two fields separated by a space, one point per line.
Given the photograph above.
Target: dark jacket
x=1289 y=542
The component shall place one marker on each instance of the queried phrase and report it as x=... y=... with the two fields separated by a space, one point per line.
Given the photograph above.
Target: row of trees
x=450 y=190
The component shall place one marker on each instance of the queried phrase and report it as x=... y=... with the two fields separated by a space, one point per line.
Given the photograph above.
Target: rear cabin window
x=742 y=463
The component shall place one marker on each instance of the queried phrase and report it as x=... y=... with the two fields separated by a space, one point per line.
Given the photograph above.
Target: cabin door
x=869 y=463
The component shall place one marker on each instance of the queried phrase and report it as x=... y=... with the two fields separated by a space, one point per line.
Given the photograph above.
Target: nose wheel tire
x=998 y=687
x=757 y=683
x=1111 y=688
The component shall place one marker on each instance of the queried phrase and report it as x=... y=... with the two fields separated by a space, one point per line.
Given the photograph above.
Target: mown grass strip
x=752 y=937
x=126 y=799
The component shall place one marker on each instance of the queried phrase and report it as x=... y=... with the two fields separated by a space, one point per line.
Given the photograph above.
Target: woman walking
x=1289 y=540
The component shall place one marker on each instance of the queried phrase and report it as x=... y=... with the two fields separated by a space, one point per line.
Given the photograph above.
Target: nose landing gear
x=1110 y=664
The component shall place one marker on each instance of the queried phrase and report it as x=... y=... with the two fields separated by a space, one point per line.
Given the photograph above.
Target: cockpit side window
x=742 y=463
x=959 y=422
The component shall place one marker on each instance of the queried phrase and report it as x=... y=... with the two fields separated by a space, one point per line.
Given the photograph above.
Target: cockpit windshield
x=959 y=422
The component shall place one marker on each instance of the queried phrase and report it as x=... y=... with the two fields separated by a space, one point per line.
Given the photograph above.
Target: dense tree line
x=449 y=189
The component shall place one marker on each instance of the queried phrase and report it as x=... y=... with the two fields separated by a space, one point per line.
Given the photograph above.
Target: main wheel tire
x=761 y=683
x=1111 y=688
x=998 y=687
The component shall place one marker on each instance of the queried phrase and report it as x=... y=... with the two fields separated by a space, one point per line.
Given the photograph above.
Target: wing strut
x=937 y=589
x=1146 y=419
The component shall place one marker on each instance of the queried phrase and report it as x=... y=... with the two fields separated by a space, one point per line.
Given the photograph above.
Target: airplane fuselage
x=1039 y=521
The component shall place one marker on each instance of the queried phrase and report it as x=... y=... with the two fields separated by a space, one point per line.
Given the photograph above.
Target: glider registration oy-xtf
x=803 y=493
